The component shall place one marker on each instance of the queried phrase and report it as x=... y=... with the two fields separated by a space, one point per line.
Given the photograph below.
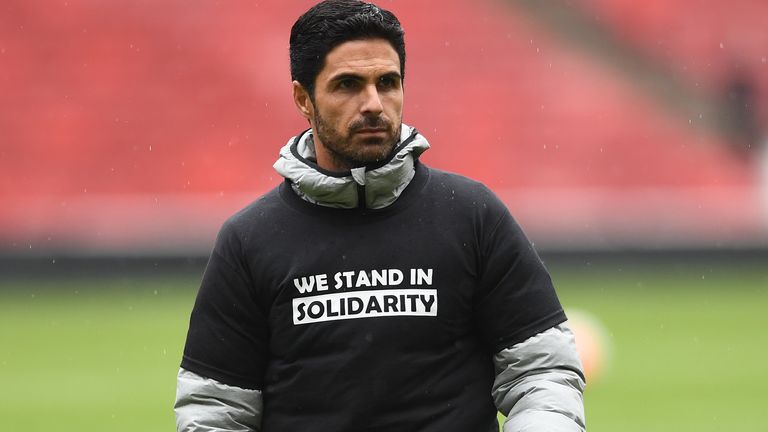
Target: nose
x=371 y=101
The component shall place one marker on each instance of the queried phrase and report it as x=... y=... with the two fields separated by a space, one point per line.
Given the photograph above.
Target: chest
x=407 y=280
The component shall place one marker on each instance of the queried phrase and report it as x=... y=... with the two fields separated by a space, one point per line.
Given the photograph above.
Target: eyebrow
x=356 y=77
x=392 y=75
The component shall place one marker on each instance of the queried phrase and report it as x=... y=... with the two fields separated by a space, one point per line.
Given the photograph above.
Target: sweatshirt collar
x=374 y=186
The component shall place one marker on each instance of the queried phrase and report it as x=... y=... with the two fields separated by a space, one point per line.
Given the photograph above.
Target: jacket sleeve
x=206 y=405
x=539 y=383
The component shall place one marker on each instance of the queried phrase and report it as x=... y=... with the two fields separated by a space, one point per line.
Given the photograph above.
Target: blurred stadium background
x=628 y=138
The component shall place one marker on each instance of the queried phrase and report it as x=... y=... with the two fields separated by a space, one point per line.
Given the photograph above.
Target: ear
x=303 y=101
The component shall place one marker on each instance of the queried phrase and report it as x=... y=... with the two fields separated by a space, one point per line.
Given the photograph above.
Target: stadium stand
x=705 y=40
x=129 y=127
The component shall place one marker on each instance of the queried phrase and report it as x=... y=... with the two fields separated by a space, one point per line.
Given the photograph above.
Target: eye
x=389 y=82
x=347 y=84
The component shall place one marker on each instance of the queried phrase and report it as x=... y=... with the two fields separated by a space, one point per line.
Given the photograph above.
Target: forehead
x=361 y=57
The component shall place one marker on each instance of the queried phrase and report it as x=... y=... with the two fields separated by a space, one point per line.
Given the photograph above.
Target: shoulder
x=440 y=179
x=463 y=190
x=451 y=178
x=262 y=213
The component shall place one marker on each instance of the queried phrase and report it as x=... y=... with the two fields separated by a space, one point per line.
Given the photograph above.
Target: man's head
x=332 y=22
x=347 y=63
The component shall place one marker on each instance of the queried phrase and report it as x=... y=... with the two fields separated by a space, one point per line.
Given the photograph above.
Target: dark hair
x=333 y=22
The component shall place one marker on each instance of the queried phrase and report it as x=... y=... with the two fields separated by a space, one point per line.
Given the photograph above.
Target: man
x=370 y=292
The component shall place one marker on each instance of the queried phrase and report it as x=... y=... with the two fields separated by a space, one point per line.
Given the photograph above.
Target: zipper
x=361 y=197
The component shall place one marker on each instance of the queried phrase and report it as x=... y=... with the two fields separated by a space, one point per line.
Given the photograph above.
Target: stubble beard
x=346 y=153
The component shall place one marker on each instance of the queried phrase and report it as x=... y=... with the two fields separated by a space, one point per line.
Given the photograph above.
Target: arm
x=206 y=405
x=539 y=380
x=221 y=376
x=539 y=383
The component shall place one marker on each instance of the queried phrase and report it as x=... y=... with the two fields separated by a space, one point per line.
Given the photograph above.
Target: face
x=357 y=109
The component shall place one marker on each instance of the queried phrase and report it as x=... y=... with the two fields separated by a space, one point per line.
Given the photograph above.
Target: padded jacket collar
x=373 y=186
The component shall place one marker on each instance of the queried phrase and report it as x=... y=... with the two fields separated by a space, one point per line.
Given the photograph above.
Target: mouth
x=371 y=131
